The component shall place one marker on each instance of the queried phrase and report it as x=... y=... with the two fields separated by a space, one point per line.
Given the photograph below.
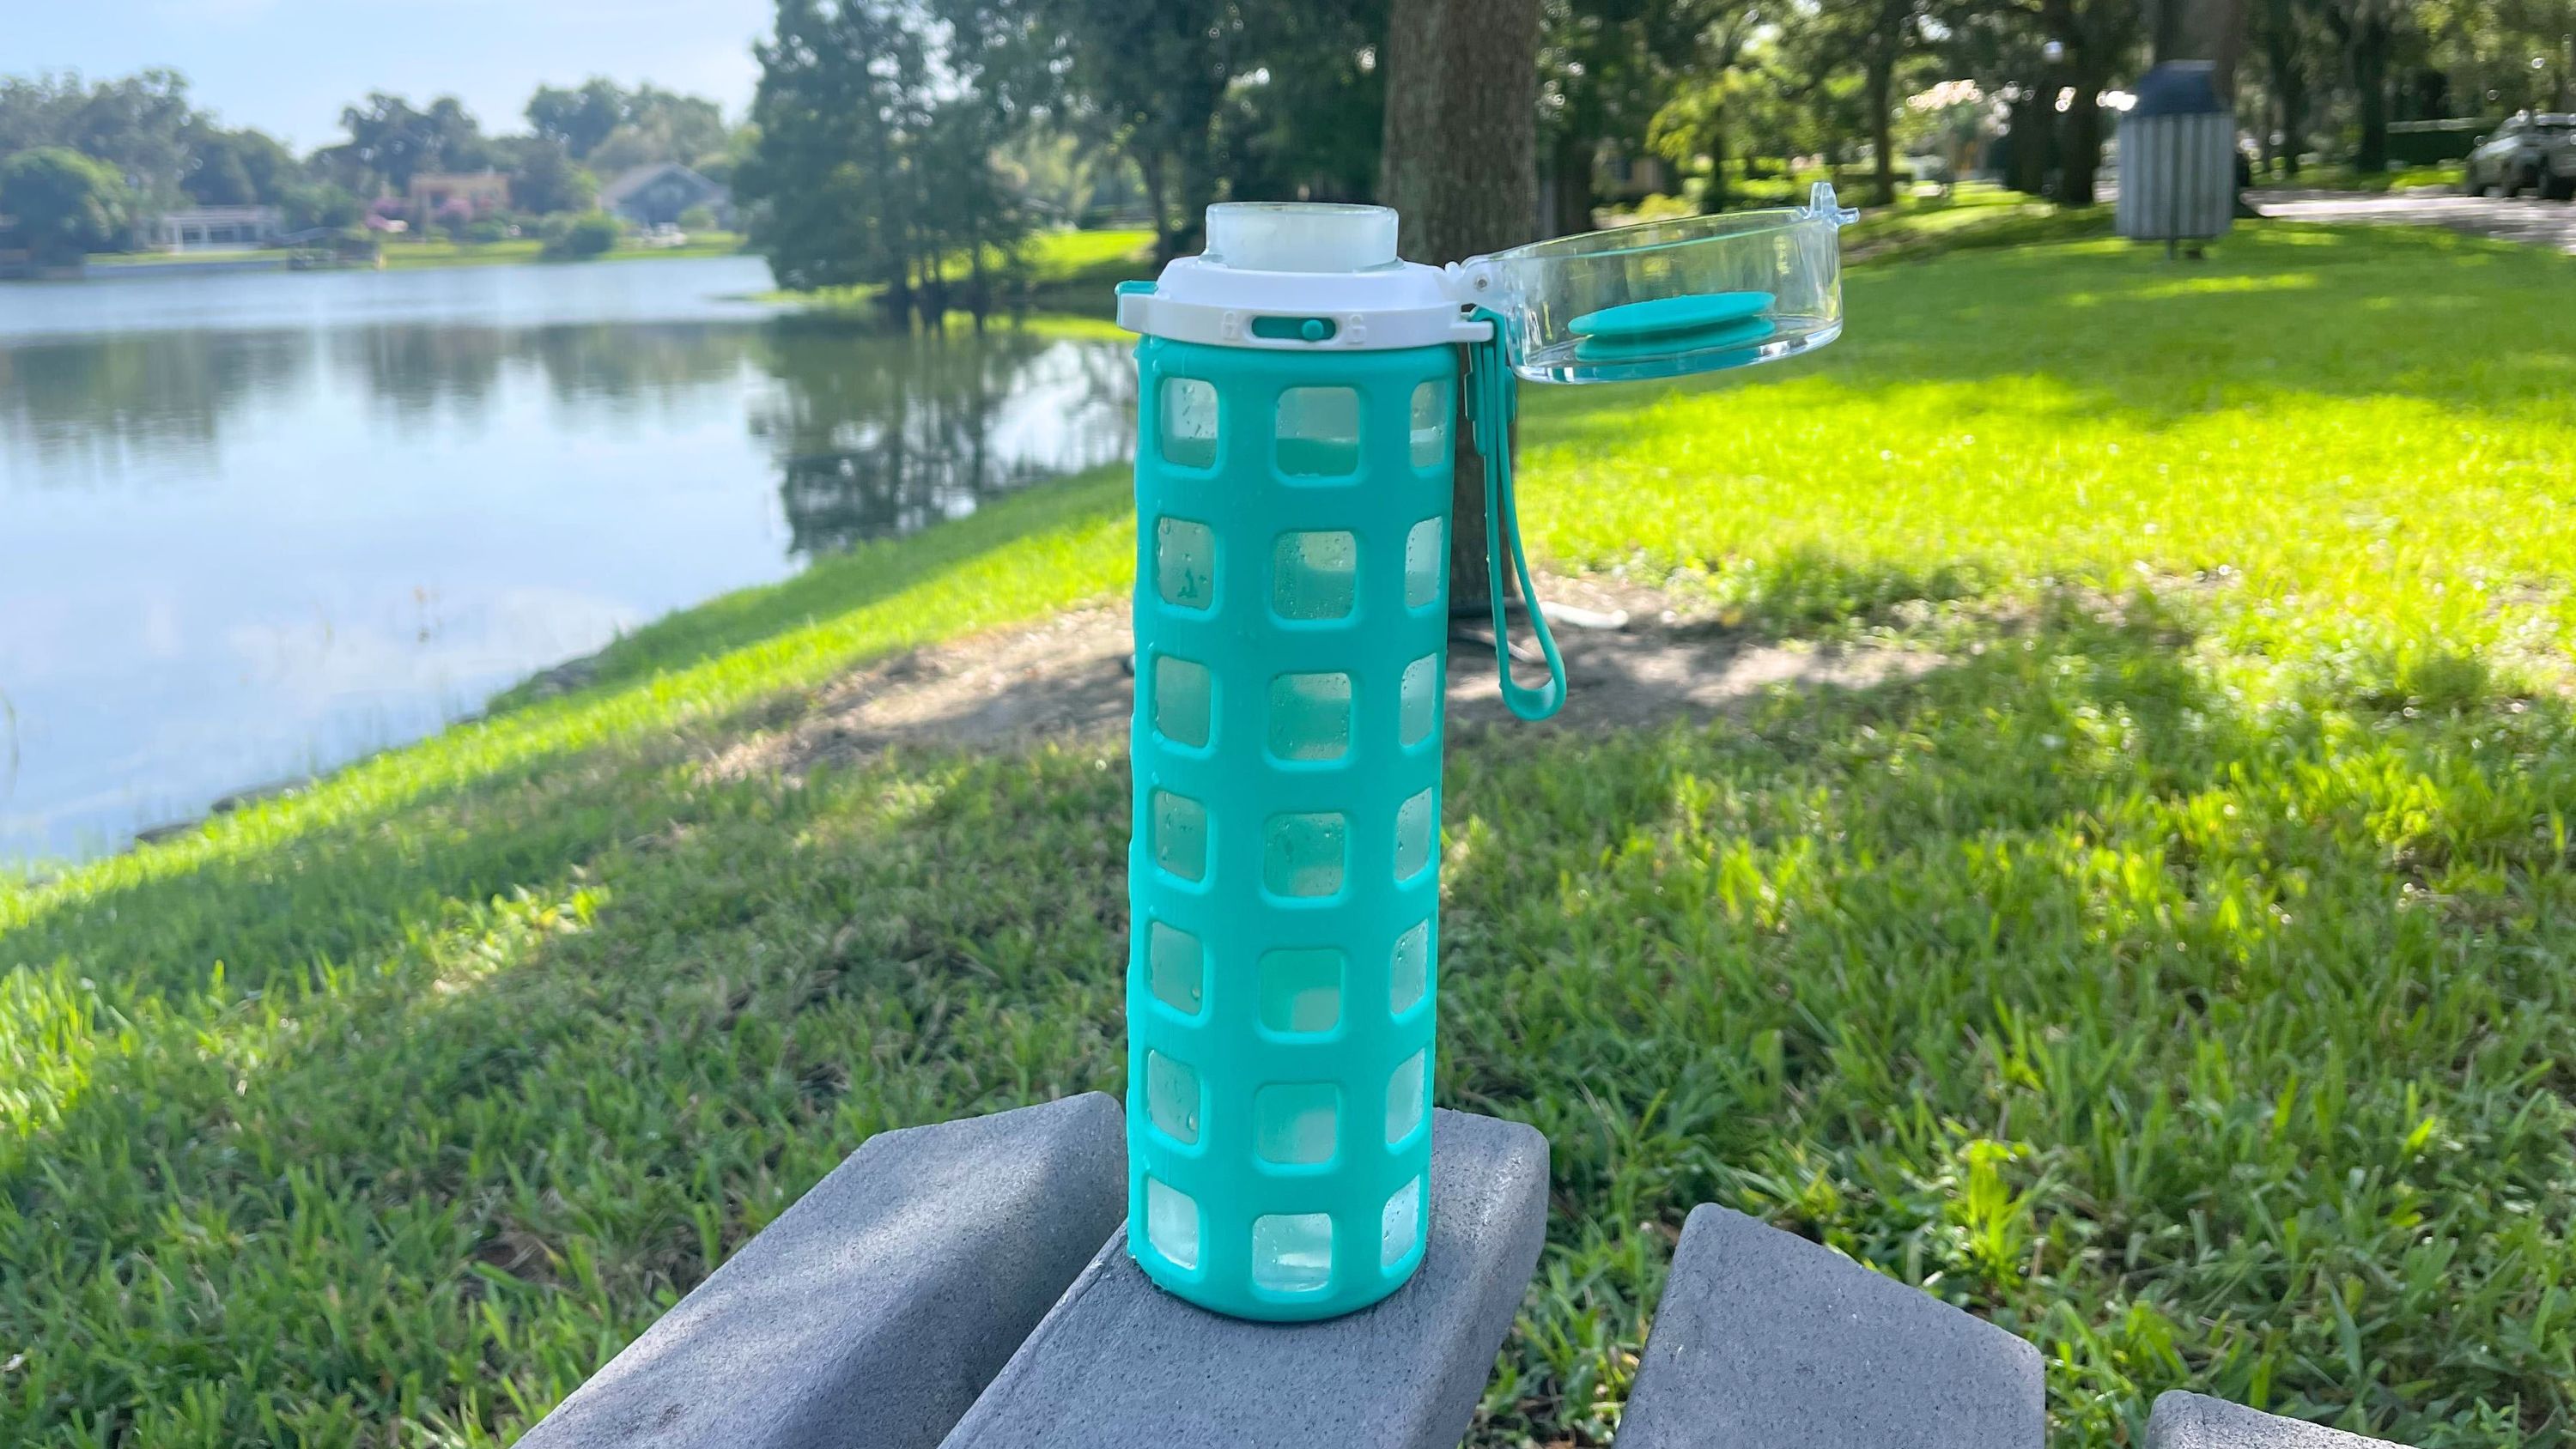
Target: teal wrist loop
x=1492 y=395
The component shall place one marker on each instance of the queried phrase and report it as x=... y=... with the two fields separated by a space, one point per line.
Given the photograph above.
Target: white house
x=212 y=228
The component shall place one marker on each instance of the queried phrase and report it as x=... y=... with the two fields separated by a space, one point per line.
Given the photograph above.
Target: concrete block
x=1764 y=1340
x=2196 y=1421
x=1121 y=1364
x=874 y=1310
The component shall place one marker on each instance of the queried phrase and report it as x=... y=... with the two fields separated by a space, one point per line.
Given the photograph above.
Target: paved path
x=2524 y=219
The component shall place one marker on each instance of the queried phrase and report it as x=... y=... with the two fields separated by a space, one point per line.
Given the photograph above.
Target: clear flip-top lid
x=1663 y=298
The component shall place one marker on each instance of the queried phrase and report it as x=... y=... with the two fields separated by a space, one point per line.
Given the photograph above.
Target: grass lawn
x=2175 y=973
x=1065 y=268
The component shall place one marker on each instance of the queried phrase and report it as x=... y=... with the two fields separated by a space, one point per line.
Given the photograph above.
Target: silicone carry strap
x=1492 y=393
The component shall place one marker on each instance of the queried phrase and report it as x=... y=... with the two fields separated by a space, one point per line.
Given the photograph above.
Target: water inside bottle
x=1397 y=1225
x=1185 y=563
x=1292 y=1252
x=1418 y=700
x=1293 y=1122
x=1430 y=431
x=1189 y=422
x=1301 y=989
x=1303 y=854
x=1413 y=835
x=1172 y=1098
x=1404 y=1094
x=1409 y=974
x=1310 y=716
x=1426 y=564
x=1175 y=968
x=1319 y=432
x=1314 y=575
x=1179 y=826
x=1181 y=703
x=1172 y=1223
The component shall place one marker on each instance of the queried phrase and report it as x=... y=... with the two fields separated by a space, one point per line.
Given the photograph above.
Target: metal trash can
x=2177 y=158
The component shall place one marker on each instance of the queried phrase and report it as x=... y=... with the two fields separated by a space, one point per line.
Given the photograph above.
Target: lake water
x=256 y=524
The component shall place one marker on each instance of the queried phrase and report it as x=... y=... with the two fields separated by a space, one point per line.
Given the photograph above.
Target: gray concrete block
x=1764 y=1340
x=1120 y=1364
x=2196 y=1421
x=874 y=1310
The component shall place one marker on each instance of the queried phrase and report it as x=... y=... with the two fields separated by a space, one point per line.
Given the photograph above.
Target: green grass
x=1065 y=268
x=2174 y=972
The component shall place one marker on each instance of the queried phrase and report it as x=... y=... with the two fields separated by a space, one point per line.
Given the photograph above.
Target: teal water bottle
x=1292 y=504
x=1297 y=384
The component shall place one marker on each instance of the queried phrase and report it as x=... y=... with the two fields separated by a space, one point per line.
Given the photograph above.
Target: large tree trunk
x=2083 y=143
x=2210 y=30
x=2026 y=162
x=2370 y=48
x=1461 y=164
x=1880 y=85
x=1570 y=171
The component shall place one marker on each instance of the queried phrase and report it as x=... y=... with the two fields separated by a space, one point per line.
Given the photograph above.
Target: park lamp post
x=1293 y=458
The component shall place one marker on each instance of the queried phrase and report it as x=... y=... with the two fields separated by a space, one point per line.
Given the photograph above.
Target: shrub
x=585 y=234
x=697 y=218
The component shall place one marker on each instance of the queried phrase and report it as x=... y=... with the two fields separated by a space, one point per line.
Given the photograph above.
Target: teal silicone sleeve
x=1291 y=627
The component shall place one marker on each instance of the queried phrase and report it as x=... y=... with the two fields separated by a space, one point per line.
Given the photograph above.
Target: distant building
x=212 y=228
x=652 y=195
x=479 y=193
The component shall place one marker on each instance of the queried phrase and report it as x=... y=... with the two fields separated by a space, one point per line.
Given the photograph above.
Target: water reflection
x=249 y=530
x=871 y=445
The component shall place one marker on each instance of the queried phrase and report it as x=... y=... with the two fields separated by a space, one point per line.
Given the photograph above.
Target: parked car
x=2528 y=153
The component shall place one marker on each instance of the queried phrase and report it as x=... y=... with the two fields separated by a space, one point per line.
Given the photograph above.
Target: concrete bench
x=968 y=1284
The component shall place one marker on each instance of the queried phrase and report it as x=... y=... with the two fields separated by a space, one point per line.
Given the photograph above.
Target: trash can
x=2177 y=158
x=1296 y=388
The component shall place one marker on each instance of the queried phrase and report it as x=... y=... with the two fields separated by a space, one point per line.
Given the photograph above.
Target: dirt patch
x=1637 y=658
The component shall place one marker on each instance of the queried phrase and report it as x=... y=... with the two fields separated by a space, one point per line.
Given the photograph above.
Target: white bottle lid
x=1301 y=276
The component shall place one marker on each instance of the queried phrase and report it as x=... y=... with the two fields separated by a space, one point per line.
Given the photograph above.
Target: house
x=653 y=195
x=211 y=228
x=478 y=194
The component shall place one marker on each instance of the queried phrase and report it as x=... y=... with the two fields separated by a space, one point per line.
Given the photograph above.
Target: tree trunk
x=1149 y=169
x=2294 y=121
x=1570 y=167
x=2210 y=30
x=2083 y=141
x=2026 y=164
x=2370 y=94
x=1881 y=87
x=1716 y=198
x=1460 y=164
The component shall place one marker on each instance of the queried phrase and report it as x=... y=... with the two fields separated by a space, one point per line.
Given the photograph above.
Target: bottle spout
x=1823 y=205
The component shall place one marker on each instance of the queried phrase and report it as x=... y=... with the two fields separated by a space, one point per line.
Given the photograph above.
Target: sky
x=289 y=66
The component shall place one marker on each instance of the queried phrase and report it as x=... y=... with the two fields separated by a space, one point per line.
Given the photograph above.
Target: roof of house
x=637 y=178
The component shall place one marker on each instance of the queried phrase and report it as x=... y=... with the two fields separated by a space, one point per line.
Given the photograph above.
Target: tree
x=660 y=125
x=544 y=178
x=2286 y=38
x=66 y=204
x=578 y=119
x=1598 y=82
x=1876 y=37
x=2367 y=31
x=236 y=168
x=1461 y=168
x=877 y=125
x=1718 y=42
x=394 y=142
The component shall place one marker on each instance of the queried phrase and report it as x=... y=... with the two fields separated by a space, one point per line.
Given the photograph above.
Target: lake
x=256 y=524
